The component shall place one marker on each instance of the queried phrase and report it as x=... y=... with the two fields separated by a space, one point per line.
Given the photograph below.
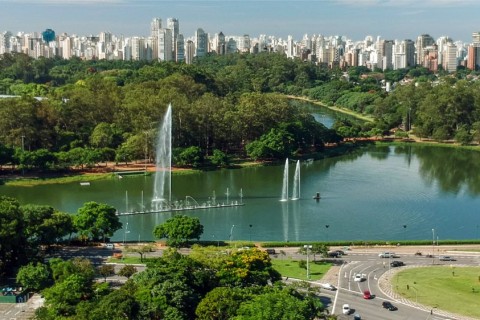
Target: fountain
x=296 y=182
x=285 y=182
x=162 y=189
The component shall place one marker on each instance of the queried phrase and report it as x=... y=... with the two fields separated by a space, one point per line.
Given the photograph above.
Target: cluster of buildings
x=166 y=43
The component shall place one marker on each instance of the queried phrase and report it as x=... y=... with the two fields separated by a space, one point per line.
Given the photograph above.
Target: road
x=378 y=273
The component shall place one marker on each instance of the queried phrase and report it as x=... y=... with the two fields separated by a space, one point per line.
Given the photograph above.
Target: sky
x=390 y=19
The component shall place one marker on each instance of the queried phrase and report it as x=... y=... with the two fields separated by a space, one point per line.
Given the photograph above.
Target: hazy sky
x=391 y=19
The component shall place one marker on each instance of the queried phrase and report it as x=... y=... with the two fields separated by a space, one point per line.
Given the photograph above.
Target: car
x=110 y=246
x=387 y=255
x=447 y=258
x=388 y=305
x=334 y=254
x=396 y=263
x=346 y=309
x=328 y=286
x=340 y=252
x=359 y=277
x=367 y=295
x=356 y=316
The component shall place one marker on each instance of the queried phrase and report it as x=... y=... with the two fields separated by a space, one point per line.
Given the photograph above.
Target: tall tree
x=96 y=221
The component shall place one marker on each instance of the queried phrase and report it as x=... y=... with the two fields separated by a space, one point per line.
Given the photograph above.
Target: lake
x=378 y=192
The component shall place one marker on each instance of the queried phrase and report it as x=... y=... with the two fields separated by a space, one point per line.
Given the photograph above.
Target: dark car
x=340 y=252
x=447 y=258
x=396 y=263
x=388 y=305
x=334 y=254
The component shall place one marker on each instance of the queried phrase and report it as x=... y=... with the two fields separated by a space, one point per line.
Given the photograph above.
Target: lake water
x=385 y=192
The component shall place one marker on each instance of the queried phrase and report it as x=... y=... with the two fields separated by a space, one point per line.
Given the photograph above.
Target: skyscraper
x=423 y=41
x=201 y=43
x=180 y=48
x=173 y=24
x=165 y=45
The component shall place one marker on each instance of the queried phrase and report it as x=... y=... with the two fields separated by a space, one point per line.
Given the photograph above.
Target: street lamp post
x=433 y=246
x=250 y=233
x=404 y=232
x=125 y=233
x=308 y=267
x=326 y=227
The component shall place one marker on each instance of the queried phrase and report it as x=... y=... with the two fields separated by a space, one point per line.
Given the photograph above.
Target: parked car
x=447 y=258
x=346 y=309
x=388 y=305
x=356 y=316
x=110 y=246
x=367 y=295
x=328 y=286
x=387 y=255
x=396 y=263
x=359 y=277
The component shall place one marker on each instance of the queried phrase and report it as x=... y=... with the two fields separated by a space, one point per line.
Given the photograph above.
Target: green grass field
x=454 y=289
x=290 y=268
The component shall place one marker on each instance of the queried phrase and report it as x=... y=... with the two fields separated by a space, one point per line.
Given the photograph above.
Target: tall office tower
x=173 y=24
x=409 y=49
x=306 y=42
x=127 y=49
x=423 y=41
x=180 y=48
x=165 y=45
x=244 y=43
x=201 y=43
x=290 y=47
x=189 y=51
x=155 y=26
x=105 y=37
x=385 y=54
x=219 y=43
x=450 y=58
x=472 y=61
x=66 y=46
x=231 y=46
x=5 y=42
x=138 y=48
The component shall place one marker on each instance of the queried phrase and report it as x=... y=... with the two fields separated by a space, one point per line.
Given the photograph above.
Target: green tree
x=34 y=276
x=96 y=221
x=11 y=234
x=221 y=303
x=106 y=270
x=127 y=271
x=179 y=229
x=141 y=250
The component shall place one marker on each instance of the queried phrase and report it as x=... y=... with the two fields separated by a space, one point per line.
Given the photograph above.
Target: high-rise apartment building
x=450 y=58
x=201 y=43
x=174 y=25
x=165 y=45
x=180 y=48
x=473 y=56
x=189 y=51
x=422 y=42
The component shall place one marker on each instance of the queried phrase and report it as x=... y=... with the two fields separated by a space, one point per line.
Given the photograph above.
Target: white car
x=328 y=286
x=346 y=309
x=359 y=277
x=387 y=255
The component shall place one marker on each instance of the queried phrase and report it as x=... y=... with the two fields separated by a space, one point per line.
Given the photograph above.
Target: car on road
x=388 y=305
x=346 y=309
x=334 y=254
x=110 y=246
x=359 y=277
x=387 y=255
x=447 y=258
x=356 y=316
x=340 y=252
x=396 y=263
x=367 y=295
x=328 y=286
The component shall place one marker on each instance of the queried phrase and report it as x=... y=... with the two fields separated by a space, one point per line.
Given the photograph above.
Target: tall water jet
x=285 y=182
x=162 y=189
x=296 y=182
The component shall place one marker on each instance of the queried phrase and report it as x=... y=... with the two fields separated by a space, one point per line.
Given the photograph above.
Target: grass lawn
x=290 y=268
x=455 y=289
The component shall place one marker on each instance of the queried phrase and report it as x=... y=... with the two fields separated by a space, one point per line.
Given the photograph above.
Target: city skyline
x=400 y=19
